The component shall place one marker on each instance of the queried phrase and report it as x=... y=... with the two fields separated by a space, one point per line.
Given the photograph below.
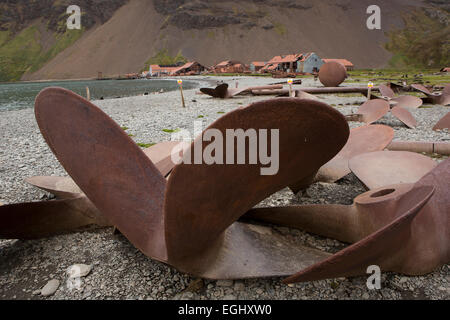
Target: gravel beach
x=120 y=271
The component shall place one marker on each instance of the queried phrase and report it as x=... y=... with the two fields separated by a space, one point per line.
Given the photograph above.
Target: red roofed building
x=156 y=70
x=256 y=66
x=189 y=68
x=230 y=66
x=347 y=64
x=296 y=63
x=286 y=63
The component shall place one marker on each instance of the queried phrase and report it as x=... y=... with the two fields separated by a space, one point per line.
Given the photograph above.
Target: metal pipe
x=442 y=148
x=319 y=90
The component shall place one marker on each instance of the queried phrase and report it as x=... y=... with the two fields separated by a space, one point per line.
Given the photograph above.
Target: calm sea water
x=22 y=95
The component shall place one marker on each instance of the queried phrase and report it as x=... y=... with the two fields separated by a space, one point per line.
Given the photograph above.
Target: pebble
x=79 y=270
x=403 y=280
x=239 y=286
x=224 y=283
x=50 y=288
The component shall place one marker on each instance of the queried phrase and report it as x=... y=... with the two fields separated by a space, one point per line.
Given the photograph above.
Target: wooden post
x=290 y=81
x=369 y=90
x=180 y=83
x=88 y=94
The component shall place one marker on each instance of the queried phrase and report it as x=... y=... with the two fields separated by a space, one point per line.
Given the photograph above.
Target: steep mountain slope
x=32 y=32
x=123 y=39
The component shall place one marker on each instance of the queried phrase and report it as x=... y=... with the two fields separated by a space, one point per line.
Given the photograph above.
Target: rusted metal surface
x=250 y=251
x=304 y=95
x=384 y=247
x=421 y=88
x=332 y=74
x=189 y=221
x=386 y=91
x=408 y=102
x=65 y=187
x=79 y=213
x=378 y=224
x=315 y=90
x=388 y=94
x=442 y=98
x=61 y=187
x=370 y=111
x=161 y=155
x=404 y=116
x=194 y=230
x=373 y=110
x=403 y=228
x=311 y=133
x=442 y=124
x=382 y=168
x=222 y=91
x=363 y=139
x=48 y=218
x=218 y=92
x=429 y=147
x=113 y=172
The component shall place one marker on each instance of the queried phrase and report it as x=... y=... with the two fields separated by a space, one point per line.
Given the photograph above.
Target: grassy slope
x=23 y=52
x=423 y=43
x=410 y=75
x=164 y=58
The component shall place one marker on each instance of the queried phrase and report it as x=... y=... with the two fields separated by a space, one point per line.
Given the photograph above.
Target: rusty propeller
x=402 y=228
x=406 y=102
x=37 y=219
x=189 y=221
x=362 y=140
x=373 y=110
x=442 y=98
x=382 y=168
